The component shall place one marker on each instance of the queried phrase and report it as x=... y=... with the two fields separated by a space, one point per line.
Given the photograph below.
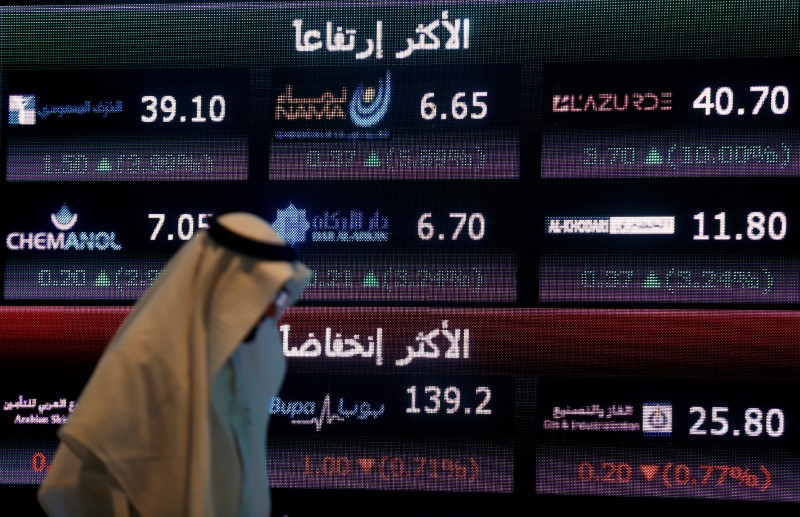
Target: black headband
x=236 y=242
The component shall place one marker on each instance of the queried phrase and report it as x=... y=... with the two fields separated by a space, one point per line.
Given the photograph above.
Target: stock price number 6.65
x=459 y=109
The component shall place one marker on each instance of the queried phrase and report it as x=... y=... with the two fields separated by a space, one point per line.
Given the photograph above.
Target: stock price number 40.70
x=475 y=225
x=767 y=99
x=184 y=226
x=448 y=401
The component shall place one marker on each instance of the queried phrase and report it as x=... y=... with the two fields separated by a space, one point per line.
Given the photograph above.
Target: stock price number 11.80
x=760 y=226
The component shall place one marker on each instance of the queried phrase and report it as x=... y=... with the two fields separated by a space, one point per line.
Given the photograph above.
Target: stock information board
x=554 y=244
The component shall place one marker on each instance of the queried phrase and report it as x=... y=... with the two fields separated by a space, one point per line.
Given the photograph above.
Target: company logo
x=21 y=110
x=657 y=419
x=368 y=105
x=327 y=414
x=65 y=240
x=292 y=225
x=612 y=102
x=325 y=107
x=64 y=219
x=594 y=418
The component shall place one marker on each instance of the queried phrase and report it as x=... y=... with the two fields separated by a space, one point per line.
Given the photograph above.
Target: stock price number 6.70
x=475 y=225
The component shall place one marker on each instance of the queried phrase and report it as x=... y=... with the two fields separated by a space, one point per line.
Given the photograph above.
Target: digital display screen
x=553 y=245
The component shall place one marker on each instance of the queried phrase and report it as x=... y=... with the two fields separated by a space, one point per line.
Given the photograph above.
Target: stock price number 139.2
x=449 y=401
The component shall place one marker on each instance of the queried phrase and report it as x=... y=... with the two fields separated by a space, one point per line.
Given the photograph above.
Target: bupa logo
x=65 y=239
x=367 y=106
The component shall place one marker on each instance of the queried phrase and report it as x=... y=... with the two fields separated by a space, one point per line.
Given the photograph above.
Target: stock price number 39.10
x=167 y=106
x=184 y=226
x=475 y=225
x=448 y=401
x=459 y=109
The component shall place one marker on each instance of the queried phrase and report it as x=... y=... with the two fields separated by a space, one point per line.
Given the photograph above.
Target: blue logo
x=21 y=110
x=65 y=239
x=292 y=224
x=368 y=106
x=64 y=219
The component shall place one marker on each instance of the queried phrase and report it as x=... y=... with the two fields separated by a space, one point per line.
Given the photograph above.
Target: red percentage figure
x=736 y=473
x=768 y=476
x=39 y=462
x=475 y=469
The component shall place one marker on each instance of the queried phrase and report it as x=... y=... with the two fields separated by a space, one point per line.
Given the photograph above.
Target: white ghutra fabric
x=173 y=420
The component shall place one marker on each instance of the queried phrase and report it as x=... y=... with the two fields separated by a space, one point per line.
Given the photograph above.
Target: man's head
x=252 y=236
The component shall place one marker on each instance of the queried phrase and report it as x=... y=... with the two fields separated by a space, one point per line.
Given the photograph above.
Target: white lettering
x=55 y=241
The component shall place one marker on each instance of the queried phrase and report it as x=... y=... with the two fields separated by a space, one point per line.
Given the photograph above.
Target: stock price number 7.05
x=449 y=401
x=184 y=226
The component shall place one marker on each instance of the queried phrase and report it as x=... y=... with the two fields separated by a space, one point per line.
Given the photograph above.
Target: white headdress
x=147 y=418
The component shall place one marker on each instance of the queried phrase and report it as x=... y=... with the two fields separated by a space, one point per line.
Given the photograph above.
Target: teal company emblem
x=368 y=105
x=64 y=219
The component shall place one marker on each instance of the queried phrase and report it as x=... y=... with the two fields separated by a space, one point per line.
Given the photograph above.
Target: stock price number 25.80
x=755 y=422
